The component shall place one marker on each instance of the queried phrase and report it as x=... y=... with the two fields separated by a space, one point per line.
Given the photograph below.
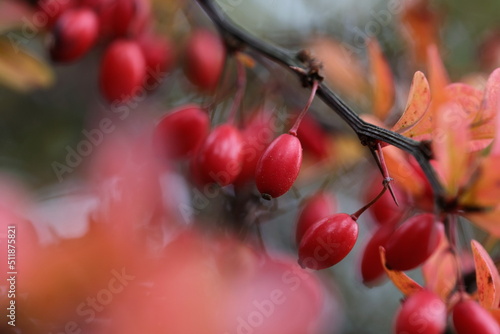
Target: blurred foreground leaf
x=21 y=71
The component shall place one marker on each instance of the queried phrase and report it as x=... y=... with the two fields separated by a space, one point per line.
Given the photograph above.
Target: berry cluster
x=133 y=50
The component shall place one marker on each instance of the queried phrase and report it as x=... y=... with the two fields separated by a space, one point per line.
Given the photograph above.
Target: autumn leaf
x=403 y=282
x=21 y=71
x=382 y=81
x=420 y=27
x=342 y=67
x=487 y=277
x=403 y=171
x=488 y=220
x=451 y=146
x=418 y=103
x=440 y=270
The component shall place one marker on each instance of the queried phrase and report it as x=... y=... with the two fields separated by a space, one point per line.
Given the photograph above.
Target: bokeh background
x=39 y=121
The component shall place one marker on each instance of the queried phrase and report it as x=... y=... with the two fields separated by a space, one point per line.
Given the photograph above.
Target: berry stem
x=241 y=80
x=295 y=127
x=378 y=154
x=358 y=213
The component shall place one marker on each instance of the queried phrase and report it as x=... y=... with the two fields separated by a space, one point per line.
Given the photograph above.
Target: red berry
x=205 y=56
x=279 y=166
x=52 y=9
x=257 y=135
x=412 y=243
x=123 y=70
x=328 y=241
x=371 y=264
x=181 y=132
x=384 y=211
x=130 y=17
x=470 y=317
x=423 y=313
x=158 y=52
x=74 y=33
x=220 y=157
x=313 y=137
x=317 y=207
x=105 y=11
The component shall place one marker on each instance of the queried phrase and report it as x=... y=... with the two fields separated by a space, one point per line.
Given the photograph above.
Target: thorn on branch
x=313 y=68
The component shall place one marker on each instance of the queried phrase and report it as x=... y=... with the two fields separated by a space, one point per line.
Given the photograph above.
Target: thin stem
x=452 y=237
x=295 y=127
x=241 y=80
x=358 y=213
x=385 y=172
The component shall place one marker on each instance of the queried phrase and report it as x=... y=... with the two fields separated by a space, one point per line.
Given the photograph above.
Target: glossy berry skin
x=384 y=211
x=469 y=317
x=181 y=132
x=123 y=70
x=328 y=241
x=412 y=243
x=422 y=313
x=219 y=158
x=204 y=59
x=371 y=264
x=279 y=166
x=319 y=206
x=74 y=34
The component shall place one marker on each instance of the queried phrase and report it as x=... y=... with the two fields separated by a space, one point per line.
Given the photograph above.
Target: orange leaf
x=342 y=67
x=418 y=103
x=440 y=270
x=451 y=146
x=438 y=77
x=486 y=190
x=467 y=96
x=383 y=84
x=402 y=170
x=421 y=27
x=488 y=221
x=487 y=278
x=403 y=282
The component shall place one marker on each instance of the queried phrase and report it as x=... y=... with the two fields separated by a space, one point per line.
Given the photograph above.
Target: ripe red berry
x=279 y=166
x=54 y=9
x=182 y=131
x=158 y=52
x=130 y=17
x=384 y=211
x=470 y=317
x=205 y=55
x=220 y=157
x=123 y=70
x=74 y=33
x=317 y=207
x=371 y=264
x=412 y=242
x=422 y=312
x=328 y=241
